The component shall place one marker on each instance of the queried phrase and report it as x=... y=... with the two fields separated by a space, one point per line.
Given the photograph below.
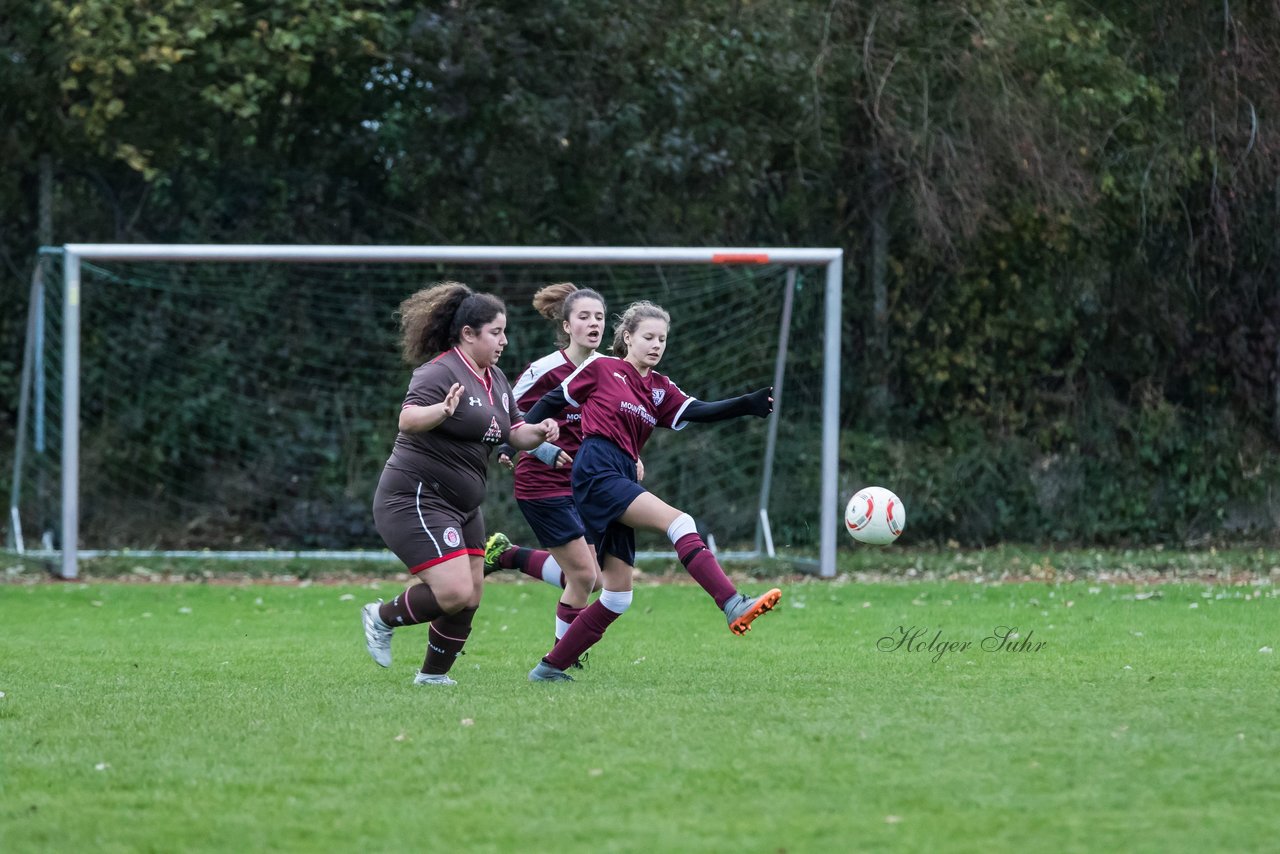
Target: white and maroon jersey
x=534 y=478
x=453 y=459
x=622 y=406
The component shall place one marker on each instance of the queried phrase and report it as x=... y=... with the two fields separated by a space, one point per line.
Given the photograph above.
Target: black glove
x=759 y=402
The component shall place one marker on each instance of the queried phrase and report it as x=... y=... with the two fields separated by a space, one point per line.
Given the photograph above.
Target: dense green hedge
x=1151 y=478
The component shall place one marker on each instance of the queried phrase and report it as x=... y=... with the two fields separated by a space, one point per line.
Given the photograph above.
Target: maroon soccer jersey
x=622 y=406
x=534 y=478
x=453 y=458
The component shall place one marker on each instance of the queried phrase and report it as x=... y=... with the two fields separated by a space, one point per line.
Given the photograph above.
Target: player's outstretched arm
x=548 y=406
x=528 y=436
x=420 y=419
x=758 y=403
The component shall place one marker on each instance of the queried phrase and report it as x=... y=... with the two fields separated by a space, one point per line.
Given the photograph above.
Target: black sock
x=417 y=604
x=446 y=637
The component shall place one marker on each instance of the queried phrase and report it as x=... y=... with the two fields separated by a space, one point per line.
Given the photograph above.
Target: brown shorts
x=421 y=527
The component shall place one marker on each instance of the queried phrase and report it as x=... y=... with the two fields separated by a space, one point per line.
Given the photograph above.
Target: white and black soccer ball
x=875 y=516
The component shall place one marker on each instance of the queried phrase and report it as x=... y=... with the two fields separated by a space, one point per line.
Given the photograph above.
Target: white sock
x=551 y=572
x=683 y=525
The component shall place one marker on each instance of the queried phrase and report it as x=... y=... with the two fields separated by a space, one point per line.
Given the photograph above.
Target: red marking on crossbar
x=731 y=258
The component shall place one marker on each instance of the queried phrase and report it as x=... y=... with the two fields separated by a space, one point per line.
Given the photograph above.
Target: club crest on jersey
x=473 y=401
x=451 y=538
x=506 y=402
x=493 y=435
x=658 y=395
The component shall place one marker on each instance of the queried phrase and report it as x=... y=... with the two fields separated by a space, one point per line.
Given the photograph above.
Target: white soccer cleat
x=544 y=672
x=377 y=634
x=433 y=679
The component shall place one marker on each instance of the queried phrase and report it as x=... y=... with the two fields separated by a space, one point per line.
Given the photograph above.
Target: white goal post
x=74 y=254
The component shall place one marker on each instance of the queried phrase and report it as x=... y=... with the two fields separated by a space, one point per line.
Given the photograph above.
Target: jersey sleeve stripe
x=524 y=382
x=536 y=368
x=675 y=422
x=565 y=385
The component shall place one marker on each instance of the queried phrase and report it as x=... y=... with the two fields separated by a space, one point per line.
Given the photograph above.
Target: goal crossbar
x=73 y=254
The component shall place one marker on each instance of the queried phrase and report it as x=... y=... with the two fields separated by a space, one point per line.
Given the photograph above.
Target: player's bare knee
x=584 y=574
x=453 y=594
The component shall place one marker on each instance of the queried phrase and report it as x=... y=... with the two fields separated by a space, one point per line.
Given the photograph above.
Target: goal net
x=245 y=407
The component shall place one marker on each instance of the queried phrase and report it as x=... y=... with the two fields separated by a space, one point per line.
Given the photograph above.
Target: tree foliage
x=1078 y=205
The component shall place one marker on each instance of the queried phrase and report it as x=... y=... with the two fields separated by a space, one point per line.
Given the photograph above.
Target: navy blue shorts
x=555 y=521
x=604 y=485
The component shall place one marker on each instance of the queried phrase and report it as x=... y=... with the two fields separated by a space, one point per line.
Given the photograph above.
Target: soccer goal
x=239 y=401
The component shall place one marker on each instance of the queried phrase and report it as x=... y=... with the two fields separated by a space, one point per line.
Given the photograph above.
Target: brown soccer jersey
x=452 y=459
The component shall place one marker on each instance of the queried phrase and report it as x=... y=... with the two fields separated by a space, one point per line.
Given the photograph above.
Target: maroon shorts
x=421 y=527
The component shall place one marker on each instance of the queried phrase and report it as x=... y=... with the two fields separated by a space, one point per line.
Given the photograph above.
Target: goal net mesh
x=251 y=406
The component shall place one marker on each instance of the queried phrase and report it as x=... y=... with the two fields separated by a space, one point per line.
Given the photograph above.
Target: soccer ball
x=875 y=516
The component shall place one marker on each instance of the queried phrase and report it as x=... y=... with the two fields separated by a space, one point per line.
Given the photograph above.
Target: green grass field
x=246 y=717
